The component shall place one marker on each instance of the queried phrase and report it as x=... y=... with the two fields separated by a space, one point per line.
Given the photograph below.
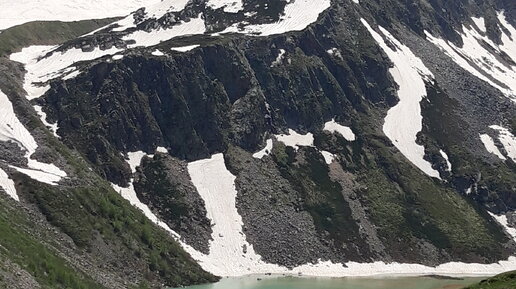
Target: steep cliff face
x=388 y=128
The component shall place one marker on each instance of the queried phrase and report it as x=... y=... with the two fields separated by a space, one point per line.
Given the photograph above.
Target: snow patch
x=333 y=127
x=230 y=6
x=8 y=185
x=162 y=150
x=507 y=139
x=328 y=157
x=502 y=220
x=11 y=129
x=480 y=23
x=184 y=48
x=43 y=116
x=490 y=146
x=404 y=121
x=295 y=140
x=118 y=57
x=445 y=156
x=279 y=58
x=157 y=52
x=265 y=151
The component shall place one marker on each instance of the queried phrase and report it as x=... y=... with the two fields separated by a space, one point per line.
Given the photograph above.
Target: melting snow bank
x=477 y=57
x=404 y=121
x=11 y=129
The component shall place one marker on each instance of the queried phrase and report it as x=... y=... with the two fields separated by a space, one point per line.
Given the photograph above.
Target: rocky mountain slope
x=267 y=137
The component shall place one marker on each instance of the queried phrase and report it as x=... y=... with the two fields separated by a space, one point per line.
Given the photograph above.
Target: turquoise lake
x=339 y=283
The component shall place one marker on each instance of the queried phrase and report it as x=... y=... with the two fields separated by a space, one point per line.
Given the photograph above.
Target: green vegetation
x=50 y=270
x=83 y=212
x=45 y=33
x=502 y=281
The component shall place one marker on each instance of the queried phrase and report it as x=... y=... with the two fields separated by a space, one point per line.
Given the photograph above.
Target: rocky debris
x=12 y=276
x=164 y=185
x=274 y=222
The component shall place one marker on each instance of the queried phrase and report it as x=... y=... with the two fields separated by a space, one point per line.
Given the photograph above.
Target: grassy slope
x=17 y=245
x=45 y=33
x=502 y=281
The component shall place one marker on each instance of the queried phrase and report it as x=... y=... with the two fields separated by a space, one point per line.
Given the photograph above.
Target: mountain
x=202 y=138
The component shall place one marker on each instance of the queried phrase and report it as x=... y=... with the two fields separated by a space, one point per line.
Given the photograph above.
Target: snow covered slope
x=482 y=57
x=11 y=129
x=404 y=120
x=15 y=12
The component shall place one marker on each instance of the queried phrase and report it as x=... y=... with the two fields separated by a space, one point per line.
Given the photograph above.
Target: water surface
x=339 y=283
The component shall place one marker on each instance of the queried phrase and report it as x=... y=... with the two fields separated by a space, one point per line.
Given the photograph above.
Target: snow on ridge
x=295 y=140
x=479 y=61
x=230 y=6
x=16 y=12
x=185 y=48
x=157 y=52
x=404 y=121
x=156 y=10
x=11 y=129
x=40 y=70
x=332 y=126
x=298 y=15
x=507 y=139
x=144 y=38
x=490 y=146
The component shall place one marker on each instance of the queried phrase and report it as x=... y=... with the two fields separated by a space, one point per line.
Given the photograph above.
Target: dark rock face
x=163 y=184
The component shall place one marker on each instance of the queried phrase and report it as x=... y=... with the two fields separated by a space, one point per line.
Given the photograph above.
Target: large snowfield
x=15 y=12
